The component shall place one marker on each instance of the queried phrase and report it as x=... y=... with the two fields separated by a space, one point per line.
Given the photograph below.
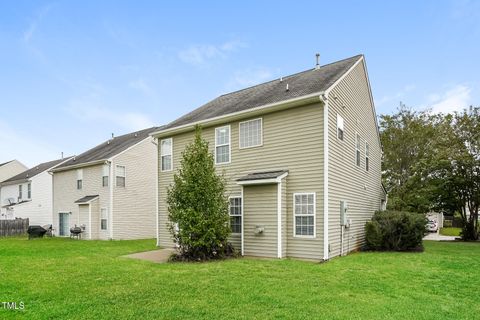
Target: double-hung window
x=340 y=128
x=357 y=149
x=304 y=214
x=222 y=145
x=250 y=133
x=120 y=176
x=29 y=191
x=166 y=154
x=79 y=179
x=236 y=214
x=103 y=219
x=367 y=155
x=20 y=192
x=105 y=175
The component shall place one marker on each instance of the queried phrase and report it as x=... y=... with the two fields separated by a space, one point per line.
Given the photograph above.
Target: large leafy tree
x=407 y=137
x=455 y=169
x=197 y=205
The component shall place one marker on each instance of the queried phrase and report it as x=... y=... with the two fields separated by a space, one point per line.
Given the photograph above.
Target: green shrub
x=395 y=231
x=197 y=206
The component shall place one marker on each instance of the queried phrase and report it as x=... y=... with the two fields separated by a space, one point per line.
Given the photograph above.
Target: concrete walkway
x=436 y=236
x=157 y=256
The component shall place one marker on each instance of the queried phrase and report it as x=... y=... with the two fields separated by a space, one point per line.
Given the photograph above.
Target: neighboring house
x=109 y=190
x=29 y=194
x=7 y=170
x=10 y=169
x=295 y=151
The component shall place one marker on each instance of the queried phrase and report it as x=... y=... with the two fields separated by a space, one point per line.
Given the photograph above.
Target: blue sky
x=71 y=73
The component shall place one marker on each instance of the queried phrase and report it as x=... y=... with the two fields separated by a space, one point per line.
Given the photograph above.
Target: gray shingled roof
x=28 y=174
x=109 y=148
x=86 y=199
x=299 y=84
x=262 y=175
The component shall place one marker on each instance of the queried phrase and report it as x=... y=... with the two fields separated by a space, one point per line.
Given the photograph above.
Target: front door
x=63 y=223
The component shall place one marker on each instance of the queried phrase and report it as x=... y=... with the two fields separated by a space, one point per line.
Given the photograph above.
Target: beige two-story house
x=302 y=158
x=109 y=190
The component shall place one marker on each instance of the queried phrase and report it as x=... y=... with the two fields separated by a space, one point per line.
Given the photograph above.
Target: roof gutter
x=9 y=183
x=271 y=107
x=80 y=165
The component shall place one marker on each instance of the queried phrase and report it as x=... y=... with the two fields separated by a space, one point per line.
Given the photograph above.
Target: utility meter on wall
x=343 y=213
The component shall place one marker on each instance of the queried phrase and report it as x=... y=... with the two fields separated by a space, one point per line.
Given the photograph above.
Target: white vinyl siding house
x=284 y=154
x=117 y=198
x=29 y=194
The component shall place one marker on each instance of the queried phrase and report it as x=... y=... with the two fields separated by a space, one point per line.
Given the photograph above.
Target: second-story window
x=20 y=192
x=250 y=133
x=79 y=179
x=357 y=149
x=105 y=175
x=340 y=129
x=367 y=155
x=29 y=191
x=222 y=145
x=166 y=151
x=120 y=176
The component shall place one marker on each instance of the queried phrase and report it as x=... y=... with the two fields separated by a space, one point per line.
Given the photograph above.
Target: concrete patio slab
x=436 y=236
x=156 y=256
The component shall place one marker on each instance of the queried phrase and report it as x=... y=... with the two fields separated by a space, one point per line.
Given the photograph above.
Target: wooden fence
x=15 y=227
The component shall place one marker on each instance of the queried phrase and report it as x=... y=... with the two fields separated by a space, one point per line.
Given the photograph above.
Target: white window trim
x=336 y=133
x=236 y=215
x=29 y=190
x=116 y=175
x=359 y=165
x=171 y=155
x=367 y=156
x=103 y=230
x=261 y=134
x=314 y=216
x=229 y=145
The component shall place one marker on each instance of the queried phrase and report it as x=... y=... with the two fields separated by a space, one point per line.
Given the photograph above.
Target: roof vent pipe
x=62 y=155
x=113 y=135
x=317 y=66
x=281 y=79
x=286 y=89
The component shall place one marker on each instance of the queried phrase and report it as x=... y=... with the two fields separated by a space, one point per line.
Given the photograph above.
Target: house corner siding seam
x=243 y=224
x=325 y=178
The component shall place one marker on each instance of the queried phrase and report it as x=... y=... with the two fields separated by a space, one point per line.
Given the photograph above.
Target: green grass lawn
x=450 y=231
x=69 y=279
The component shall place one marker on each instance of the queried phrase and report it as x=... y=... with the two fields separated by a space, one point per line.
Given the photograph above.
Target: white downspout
x=279 y=219
x=243 y=224
x=324 y=98
x=157 y=167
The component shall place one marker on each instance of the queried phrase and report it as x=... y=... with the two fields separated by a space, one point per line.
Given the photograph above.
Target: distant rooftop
x=32 y=172
x=109 y=148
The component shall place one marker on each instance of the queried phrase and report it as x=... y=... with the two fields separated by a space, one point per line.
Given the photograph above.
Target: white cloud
x=90 y=108
x=396 y=97
x=199 y=55
x=141 y=85
x=454 y=99
x=26 y=148
x=248 y=77
x=33 y=26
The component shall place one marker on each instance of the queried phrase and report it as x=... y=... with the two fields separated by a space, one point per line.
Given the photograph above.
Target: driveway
x=436 y=236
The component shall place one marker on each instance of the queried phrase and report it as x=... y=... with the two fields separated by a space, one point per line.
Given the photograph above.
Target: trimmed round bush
x=395 y=231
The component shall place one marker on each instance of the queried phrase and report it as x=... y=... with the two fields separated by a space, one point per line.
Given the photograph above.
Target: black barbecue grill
x=76 y=232
x=36 y=232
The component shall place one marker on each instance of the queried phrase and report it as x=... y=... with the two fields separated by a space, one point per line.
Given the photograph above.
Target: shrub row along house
x=302 y=159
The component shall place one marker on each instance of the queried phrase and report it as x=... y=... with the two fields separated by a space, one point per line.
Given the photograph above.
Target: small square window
x=340 y=128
